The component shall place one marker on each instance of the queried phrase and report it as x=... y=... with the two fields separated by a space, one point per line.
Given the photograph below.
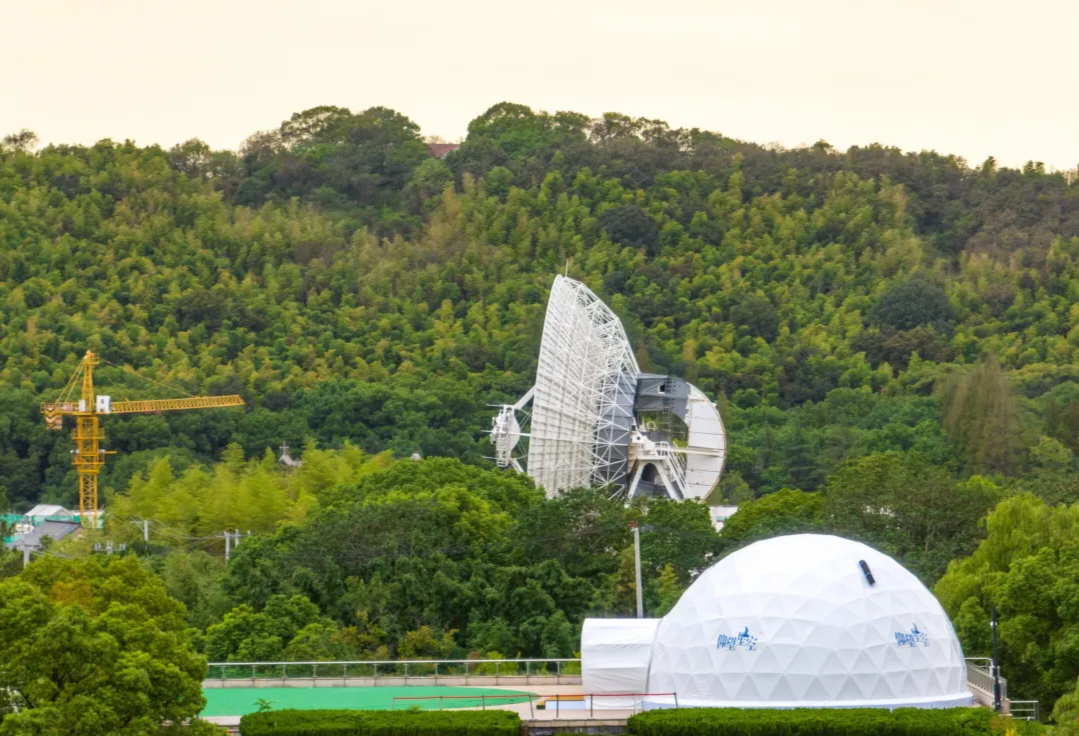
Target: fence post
x=483 y=702
x=406 y=670
x=440 y=702
x=558 y=668
x=498 y=668
x=252 y=675
x=436 y=672
x=284 y=671
x=528 y=670
x=591 y=705
x=557 y=704
x=676 y=700
x=531 y=712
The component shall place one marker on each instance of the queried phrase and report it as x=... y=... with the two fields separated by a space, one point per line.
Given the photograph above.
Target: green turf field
x=240 y=701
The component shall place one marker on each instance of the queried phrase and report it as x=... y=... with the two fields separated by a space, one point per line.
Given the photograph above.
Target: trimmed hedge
x=813 y=722
x=381 y=723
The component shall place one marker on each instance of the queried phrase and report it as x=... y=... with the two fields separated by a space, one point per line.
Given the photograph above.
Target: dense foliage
x=439 y=559
x=91 y=647
x=1028 y=568
x=891 y=338
x=380 y=723
x=902 y=504
x=352 y=287
x=817 y=722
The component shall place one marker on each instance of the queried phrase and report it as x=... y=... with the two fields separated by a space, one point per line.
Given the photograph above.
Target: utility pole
x=637 y=566
x=996 y=662
x=145 y=525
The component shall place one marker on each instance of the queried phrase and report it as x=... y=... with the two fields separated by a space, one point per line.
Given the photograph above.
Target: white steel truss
x=583 y=355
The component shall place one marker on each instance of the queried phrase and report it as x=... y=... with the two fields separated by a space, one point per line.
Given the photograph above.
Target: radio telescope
x=597 y=420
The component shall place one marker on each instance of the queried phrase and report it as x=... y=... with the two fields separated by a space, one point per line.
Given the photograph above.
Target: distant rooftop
x=439 y=150
x=48 y=509
x=52 y=529
x=286 y=458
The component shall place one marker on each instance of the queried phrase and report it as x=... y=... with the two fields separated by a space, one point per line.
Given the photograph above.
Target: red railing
x=557 y=699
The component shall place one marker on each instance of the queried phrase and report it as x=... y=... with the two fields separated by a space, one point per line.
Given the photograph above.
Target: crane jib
x=88 y=456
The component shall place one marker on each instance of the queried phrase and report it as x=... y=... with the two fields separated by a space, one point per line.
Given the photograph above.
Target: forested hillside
x=891 y=338
x=351 y=286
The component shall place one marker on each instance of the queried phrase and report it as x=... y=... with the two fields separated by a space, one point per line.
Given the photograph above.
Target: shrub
x=380 y=723
x=813 y=722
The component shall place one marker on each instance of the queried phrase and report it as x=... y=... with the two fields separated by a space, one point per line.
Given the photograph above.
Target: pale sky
x=971 y=77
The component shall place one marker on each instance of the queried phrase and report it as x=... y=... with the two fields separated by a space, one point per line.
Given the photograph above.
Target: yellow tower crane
x=88 y=457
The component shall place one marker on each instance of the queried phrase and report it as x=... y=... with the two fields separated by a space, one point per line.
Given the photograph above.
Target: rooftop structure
x=48 y=510
x=441 y=150
x=32 y=539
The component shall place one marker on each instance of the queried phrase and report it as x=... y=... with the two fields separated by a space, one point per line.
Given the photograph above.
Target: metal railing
x=1026 y=710
x=393 y=668
x=980 y=675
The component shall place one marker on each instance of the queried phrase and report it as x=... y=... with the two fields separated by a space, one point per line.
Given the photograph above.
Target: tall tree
x=981 y=414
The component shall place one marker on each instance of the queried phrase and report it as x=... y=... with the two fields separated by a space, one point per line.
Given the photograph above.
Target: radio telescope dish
x=597 y=420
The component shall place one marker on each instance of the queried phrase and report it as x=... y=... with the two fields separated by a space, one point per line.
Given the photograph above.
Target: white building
x=720 y=514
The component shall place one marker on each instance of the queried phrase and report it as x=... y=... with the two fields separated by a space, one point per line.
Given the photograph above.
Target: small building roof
x=286 y=458
x=49 y=509
x=51 y=529
x=438 y=150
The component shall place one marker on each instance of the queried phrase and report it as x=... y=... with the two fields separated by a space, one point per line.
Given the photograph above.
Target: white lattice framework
x=584 y=359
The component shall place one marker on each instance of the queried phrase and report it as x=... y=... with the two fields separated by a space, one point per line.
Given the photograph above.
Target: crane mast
x=88 y=457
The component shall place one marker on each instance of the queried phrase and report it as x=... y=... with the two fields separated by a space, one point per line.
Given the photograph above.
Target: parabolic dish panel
x=583 y=355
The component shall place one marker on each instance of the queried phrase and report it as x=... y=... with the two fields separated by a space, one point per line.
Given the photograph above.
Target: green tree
x=909 y=508
x=981 y=413
x=630 y=225
x=679 y=535
x=1027 y=567
x=785 y=512
x=757 y=315
x=248 y=636
x=423 y=643
x=92 y=647
x=914 y=303
x=668 y=589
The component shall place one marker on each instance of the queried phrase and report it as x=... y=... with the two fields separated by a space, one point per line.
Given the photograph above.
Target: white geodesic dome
x=794 y=622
